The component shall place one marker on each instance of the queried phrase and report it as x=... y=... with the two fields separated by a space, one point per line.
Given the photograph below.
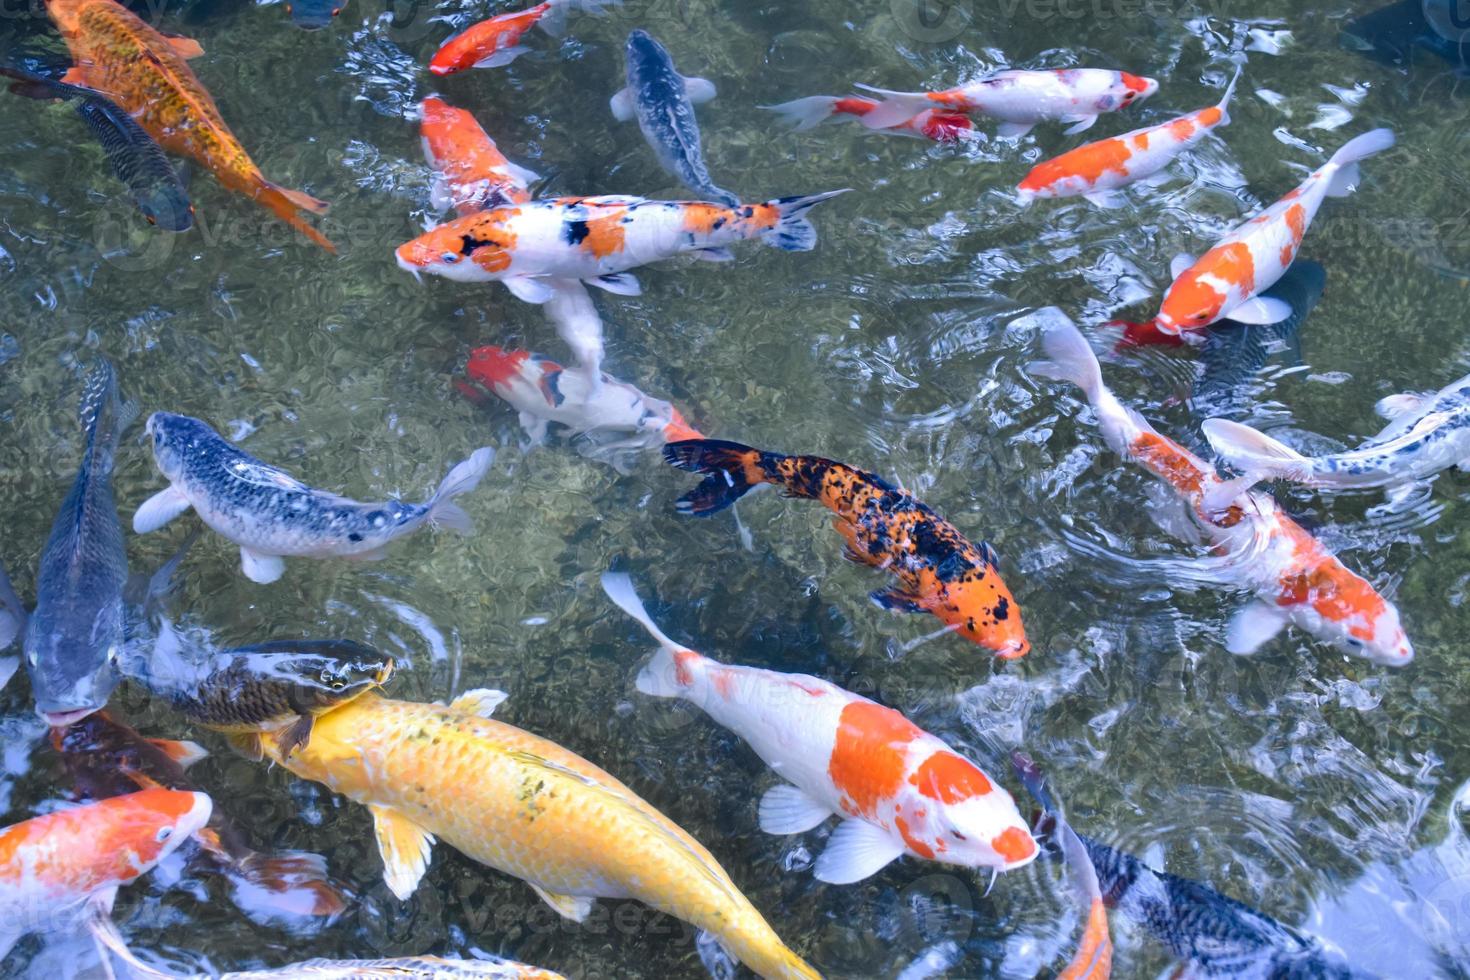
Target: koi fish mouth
x=1013 y=649
x=61 y=719
x=407 y=264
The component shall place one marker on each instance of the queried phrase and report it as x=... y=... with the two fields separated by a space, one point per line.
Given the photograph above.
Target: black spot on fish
x=574 y=232
x=354 y=537
x=1002 y=610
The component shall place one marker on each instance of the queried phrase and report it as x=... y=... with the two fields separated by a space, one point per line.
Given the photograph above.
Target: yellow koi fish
x=525 y=806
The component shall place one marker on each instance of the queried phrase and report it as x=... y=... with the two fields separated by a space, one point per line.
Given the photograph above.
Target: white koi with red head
x=597 y=239
x=470 y=172
x=1227 y=280
x=543 y=391
x=1021 y=99
x=1094 y=170
x=1296 y=580
x=899 y=789
x=57 y=866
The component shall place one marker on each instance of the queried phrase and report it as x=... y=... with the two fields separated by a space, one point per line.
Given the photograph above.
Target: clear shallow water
x=1317 y=789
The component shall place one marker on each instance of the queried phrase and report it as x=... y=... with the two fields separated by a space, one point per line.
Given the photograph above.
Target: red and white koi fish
x=1228 y=279
x=1296 y=580
x=934 y=124
x=1021 y=99
x=470 y=172
x=1096 y=170
x=63 y=867
x=542 y=391
x=597 y=239
x=496 y=42
x=899 y=789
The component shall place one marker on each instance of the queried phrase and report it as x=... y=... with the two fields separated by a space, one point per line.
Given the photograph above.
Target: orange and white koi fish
x=1227 y=281
x=525 y=806
x=1021 y=99
x=68 y=865
x=934 y=124
x=899 y=789
x=1296 y=580
x=939 y=570
x=496 y=42
x=542 y=391
x=119 y=55
x=1096 y=170
x=470 y=172
x=597 y=239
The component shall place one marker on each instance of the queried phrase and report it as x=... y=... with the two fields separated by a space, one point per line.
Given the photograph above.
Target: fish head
x=475 y=248
x=133 y=833
x=338 y=675
x=174 y=439
x=643 y=48
x=974 y=822
x=72 y=661
x=1135 y=88
x=166 y=206
x=1191 y=303
x=979 y=606
x=496 y=368
x=1346 y=611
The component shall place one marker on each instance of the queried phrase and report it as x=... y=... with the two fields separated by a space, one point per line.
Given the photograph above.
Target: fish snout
x=1138 y=88
x=199 y=813
x=62 y=717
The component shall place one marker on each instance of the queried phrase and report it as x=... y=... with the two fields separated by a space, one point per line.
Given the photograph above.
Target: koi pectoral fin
x=1261 y=310
x=159 y=509
x=787 y=810
x=405 y=848
x=261 y=569
x=574 y=907
x=184 y=47
x=898 y=599
x=1252 y=627
x=856 y=850
x=295 y=736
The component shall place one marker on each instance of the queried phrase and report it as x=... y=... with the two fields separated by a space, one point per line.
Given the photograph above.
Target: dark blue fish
x=662 y=101
x=12 y=623
x=1233 y=352
x=313 y=15
x=1390 y=35
x=1215 y=935
x=74 y=639
x=135 y=158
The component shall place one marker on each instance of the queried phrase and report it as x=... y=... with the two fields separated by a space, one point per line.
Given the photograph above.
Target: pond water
x=1317 y=788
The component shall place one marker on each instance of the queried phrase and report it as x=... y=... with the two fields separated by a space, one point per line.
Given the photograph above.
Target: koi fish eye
x=336 y=683
x=957 y=835
x=1107 y=101
x=449 y=258
x=1199 y=317
x=164 y=833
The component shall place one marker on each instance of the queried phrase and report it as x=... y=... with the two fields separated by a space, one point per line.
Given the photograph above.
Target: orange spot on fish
x=1296 y=224
x=1013 y=844
x=1089 y=162
x=1317 y=578
x=915 y=843
x=1094 y=958
x=868 y=755
x=1182 y=128
x=493 y=366
x=724 y=683
x=854 y=106
x=1169 y=461
x=606 y=234
x=1209 y=117
x=684 y=661
x=701 y=218
x=949 y=778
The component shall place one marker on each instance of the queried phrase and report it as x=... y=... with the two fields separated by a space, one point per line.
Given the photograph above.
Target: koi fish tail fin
x=292 y=883
x=288 y=205
x=554 y=21
x=896 y=108
x=806 y=113
x=1255 y=453
x=461 y=480
x=792 y=232
x=1345 y=181
x=667 y=675
x=730 y=471
x=1070 y=357
x=1224 y=104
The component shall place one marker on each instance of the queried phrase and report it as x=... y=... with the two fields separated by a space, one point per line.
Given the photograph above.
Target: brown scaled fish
x=939 y=570
x=105 y=758
x=278 y=687
x=143 y=71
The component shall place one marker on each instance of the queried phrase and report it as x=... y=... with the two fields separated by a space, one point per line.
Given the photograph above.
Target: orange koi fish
x=143 y=71
x=525 y=806
x=939 y=570
x=69 y=864
x=1228 y=279
x=1296 y=580
x=496 y=42
x=1021 y=99
x=900 y=790
x=934 y=124
x=597 y=239
x=1096 y=170
x=470 y=172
